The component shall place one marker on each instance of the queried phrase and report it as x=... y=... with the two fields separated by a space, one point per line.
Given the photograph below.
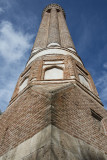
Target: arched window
x=53 y=73
x=84 y=81
x=23 y=85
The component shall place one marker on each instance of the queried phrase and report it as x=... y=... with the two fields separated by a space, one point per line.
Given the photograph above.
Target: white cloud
x=13 y=44
x=8 y=79
x=6 y=92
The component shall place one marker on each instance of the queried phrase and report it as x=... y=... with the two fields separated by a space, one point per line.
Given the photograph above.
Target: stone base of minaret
x=53 y=123
x=54 y=144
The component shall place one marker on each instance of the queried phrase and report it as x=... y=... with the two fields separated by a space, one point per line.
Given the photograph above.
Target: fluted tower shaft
x=53 y=29
x=65 y=37
x=42 y=36
x=54 y=36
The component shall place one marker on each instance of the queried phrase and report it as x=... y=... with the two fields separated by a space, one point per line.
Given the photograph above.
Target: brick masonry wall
x=67 y=108
x=71 y=113
x=36 y=71
x=25 y=117
x=54 y=28
x=30 y=110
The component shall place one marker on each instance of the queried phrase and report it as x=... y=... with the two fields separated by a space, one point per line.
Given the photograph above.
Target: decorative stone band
x=53 y=44
x=72 y=49
x=52 y=51
x=36 y=49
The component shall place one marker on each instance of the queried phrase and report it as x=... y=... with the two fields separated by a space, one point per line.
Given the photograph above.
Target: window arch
x=53 y=73
x=23 y=84
x=84 y=81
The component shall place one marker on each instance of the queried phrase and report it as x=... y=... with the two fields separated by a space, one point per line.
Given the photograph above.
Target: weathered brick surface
x=42 y=36
x=36 y=71
x=67 y=109
x=64 y=103
x=25 y=117
x=71 y=112
x=65 y=38
x=53 y=29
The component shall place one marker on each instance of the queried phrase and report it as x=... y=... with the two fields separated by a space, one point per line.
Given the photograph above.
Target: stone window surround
x=50 y=67
x=85 y=81
x=85 y=74
x=21 y=82
x=53 y=63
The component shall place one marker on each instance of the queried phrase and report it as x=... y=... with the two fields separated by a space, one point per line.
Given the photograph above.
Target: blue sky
x=19 y=23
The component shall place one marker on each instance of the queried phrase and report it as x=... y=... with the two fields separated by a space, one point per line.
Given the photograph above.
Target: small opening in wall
x=96 y=115
x=58 y=10
x=49 y=10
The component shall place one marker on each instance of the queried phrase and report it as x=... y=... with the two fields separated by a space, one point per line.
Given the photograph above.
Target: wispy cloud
x=92 y=48
x=85 y=34
x=14 y=45
x=105 y=65
x=6 y=4
x=1 y=10
x=84 y=40
x=6 y=93
x=101 y=84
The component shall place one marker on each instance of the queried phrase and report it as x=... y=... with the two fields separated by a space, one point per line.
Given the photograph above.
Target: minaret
x=55 y=111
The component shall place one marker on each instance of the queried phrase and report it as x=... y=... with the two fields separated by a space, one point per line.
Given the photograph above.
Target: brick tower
x=55 y=112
